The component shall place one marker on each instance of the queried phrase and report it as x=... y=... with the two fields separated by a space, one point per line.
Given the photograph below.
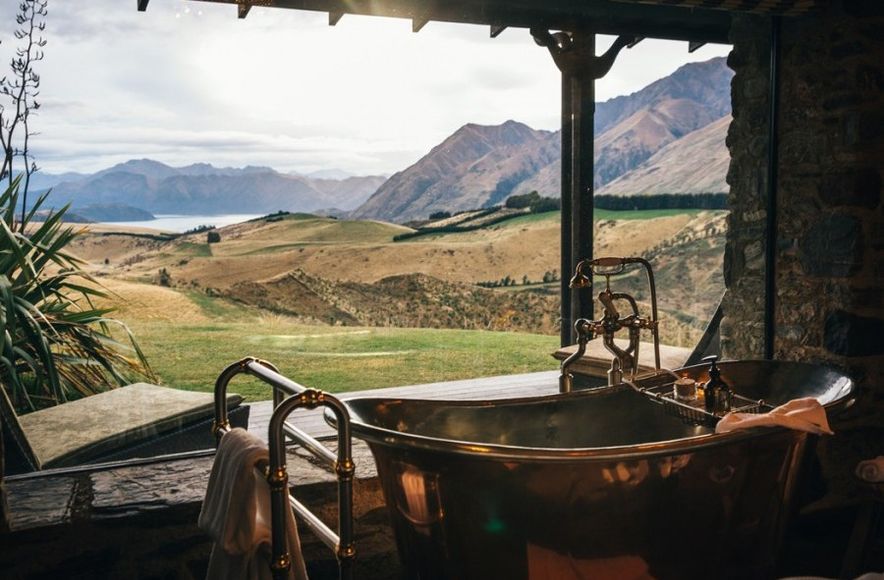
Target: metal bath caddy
x=661 y=393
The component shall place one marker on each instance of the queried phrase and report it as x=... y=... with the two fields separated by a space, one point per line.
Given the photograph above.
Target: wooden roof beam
x=242 y=9
x=418 y=23
x=611 y=17
x=142 y=5
x=496 y=30
x=334 y=18
x=694 y=45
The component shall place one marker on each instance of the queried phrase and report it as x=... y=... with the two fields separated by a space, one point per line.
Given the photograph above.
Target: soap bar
x=685 y=389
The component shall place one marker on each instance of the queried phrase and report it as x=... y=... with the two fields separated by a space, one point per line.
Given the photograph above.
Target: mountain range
x=669 y=137
x=202 y=188
x=479 y=166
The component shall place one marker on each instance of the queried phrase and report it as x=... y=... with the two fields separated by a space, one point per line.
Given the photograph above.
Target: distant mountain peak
x=508 y=131
x=202 y=188
x=148 y=168
x=482 y=165
x=258 y=169
x=475 y=166
x=332 y=173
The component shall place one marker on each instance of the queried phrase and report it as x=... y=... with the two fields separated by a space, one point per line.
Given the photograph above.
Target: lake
x=182 y=223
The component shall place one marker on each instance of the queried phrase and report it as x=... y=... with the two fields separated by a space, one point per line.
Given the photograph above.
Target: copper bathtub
x=599 y=483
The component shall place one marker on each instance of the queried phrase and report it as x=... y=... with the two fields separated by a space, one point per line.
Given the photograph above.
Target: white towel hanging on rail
x=236 y=513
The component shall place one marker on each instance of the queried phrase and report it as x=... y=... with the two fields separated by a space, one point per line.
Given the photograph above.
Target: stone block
x=871 y=126
x=792 y=332
x=861 y=188
x=847 y=49
x=755 y=89
x=840 y=102
x=42 y=503
x=869 y=298
x=852 y=335
x=120 y=492
x=753 y=255
x=802 y=146
x=733 y=264
x=870 y=78
x=832 y=247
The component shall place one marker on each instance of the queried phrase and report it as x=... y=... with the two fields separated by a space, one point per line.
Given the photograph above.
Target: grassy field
x=599 y=214
x=190 y=356
x=189 y=352
x=642 y=214
x=190 y=334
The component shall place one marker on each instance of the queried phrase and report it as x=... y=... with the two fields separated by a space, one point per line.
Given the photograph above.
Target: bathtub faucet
x=585 y=329
x=624 y=359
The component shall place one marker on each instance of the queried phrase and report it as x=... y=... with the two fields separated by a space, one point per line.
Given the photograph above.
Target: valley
x=312 y=276
x=422 y=275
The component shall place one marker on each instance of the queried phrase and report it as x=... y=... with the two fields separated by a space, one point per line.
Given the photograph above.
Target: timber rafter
x=606 y=16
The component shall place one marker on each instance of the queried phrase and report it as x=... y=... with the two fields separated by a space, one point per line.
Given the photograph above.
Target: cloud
x=97 y=148
x=188 y=82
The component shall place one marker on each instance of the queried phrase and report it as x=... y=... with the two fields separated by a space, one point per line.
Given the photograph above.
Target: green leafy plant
x=55 y=344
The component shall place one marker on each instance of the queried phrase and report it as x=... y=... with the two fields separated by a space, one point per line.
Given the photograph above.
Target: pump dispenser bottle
x=717 y=393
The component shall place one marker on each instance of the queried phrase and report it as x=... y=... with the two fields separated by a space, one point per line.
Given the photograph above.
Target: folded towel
x=800 y=414
x=236 y=513
x=871 y=470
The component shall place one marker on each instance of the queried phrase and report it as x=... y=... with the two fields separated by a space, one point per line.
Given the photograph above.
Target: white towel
x=800 y=414
x=236 y=514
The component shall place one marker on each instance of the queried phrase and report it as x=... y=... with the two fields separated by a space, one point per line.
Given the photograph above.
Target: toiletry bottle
x=717 y=393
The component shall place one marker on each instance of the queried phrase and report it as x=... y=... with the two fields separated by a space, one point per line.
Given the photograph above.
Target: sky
x=187 y=82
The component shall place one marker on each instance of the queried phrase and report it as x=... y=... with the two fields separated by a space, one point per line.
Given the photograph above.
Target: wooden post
x=580 y=190
x=574 y=55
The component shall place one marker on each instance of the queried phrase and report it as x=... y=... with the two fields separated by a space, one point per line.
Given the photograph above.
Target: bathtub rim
x=499 y=452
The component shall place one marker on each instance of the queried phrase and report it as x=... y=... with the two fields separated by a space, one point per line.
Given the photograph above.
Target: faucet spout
x=625 y=360
x=584 y=329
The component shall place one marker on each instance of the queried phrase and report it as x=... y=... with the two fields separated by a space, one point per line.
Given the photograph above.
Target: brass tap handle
x=612 y=321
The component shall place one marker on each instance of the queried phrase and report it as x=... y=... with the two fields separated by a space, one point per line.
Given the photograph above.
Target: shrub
x=55 y=345
x=198 y=230
x=522 y=201
x=662 y=201
x=440 y=215
x=544 y=204
x=213 y=237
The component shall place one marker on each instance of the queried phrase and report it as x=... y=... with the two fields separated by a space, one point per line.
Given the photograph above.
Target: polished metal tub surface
x=591 y=484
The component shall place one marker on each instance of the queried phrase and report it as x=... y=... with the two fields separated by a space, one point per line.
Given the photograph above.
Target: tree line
x=662 y=201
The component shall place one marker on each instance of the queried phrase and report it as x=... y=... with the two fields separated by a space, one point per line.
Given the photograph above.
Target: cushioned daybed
x=139 y=420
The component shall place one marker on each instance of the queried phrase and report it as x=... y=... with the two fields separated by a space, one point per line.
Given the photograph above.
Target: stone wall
x=830 y=240
x=742 y=328
x=139 y=521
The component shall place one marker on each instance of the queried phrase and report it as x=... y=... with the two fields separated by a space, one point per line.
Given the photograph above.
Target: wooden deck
x=502 y=387
x=594 y=363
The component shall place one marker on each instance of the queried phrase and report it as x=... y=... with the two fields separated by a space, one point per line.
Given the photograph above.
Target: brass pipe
x=276 y=471
x=325 y=456
x=612 y=321
x=583 y=328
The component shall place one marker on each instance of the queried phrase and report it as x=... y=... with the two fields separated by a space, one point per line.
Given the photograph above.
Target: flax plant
x=56 y=345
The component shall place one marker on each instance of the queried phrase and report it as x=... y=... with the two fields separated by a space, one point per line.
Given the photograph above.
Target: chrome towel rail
x=288 y=396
